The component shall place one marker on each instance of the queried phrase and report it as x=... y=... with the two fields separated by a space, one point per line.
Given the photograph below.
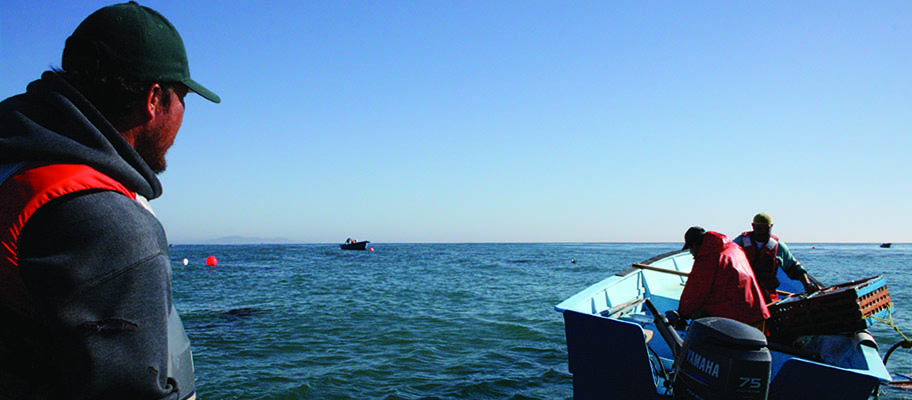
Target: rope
x=905 y=343
x=889 y=321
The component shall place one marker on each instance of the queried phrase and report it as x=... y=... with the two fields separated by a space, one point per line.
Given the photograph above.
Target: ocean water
x=430 y=321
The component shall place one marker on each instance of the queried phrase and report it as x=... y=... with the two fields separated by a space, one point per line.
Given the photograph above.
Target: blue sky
x=451 y=121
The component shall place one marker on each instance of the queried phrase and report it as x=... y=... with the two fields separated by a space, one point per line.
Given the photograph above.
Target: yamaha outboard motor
x=722 y=359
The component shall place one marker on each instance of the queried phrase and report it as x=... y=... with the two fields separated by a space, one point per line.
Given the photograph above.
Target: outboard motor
x=722 y=359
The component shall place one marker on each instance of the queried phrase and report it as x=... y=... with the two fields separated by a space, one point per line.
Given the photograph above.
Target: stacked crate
x=837 y=309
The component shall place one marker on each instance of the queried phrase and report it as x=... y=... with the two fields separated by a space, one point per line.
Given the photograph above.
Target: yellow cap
x=763 y=219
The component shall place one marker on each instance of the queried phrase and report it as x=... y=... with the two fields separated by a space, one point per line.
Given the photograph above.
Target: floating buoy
x=371 y=249
x=211 y=261
x=186 y=261
x=813 y=247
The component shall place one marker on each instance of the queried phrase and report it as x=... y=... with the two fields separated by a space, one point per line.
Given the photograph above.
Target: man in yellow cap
x=767 y=254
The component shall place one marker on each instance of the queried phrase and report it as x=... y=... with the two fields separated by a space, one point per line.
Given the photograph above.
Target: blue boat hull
x=611 y=355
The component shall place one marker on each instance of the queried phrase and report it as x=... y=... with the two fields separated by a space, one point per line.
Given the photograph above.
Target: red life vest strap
x=21 y=195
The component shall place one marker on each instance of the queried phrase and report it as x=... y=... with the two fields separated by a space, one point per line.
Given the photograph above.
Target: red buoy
x=211 y=261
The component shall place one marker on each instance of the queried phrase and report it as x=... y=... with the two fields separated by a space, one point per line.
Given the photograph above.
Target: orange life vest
x=21 y=195
x=765 y=264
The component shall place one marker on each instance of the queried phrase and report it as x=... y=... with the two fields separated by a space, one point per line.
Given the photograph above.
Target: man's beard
x=152 y=151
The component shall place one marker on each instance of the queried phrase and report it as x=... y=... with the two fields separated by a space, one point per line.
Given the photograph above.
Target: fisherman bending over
x=721 y=283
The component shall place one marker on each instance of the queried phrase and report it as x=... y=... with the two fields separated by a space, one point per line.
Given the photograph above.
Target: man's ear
x=153 y=105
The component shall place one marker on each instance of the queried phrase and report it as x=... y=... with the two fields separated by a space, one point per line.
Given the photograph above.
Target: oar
x=660 y=269
x=685 y=274
x=682 y=273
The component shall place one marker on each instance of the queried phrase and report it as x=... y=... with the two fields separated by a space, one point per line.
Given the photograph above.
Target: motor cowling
x=722 y=359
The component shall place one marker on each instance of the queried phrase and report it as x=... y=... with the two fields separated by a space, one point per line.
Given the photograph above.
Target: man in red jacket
x=721 y=282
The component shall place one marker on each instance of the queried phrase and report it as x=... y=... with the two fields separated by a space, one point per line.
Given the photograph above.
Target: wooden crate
x=836 y=309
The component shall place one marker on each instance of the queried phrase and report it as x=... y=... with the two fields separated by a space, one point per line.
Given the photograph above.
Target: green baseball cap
x=132 y=41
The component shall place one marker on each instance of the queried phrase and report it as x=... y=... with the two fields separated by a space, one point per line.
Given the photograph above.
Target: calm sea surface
x=429 y=321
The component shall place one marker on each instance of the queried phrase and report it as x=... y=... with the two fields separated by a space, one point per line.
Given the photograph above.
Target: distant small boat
x=886 y=245
x=351 y=244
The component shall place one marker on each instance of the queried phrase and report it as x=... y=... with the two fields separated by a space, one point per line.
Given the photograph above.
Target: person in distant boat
x=85 y=276
x=767 y=253
x=721 y=283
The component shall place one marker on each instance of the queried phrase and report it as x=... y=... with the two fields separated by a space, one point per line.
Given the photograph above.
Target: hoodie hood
x=713 y=242
x=52 y=122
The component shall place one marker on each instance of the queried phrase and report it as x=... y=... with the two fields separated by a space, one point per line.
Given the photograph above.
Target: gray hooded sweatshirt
x=95 y=264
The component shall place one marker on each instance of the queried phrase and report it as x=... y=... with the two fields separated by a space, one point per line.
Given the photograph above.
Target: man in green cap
x=85 y=276
x=767 y=254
